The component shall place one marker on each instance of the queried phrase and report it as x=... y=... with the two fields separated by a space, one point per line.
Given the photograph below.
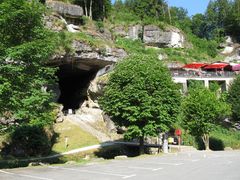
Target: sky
x=192 y=6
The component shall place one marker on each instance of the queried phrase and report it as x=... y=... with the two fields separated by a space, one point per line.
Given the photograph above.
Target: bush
x=29 y=141
x=100 y=26
x=219 y=139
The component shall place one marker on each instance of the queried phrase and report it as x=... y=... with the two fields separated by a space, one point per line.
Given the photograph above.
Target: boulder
x=170 y=37
x=65 y=9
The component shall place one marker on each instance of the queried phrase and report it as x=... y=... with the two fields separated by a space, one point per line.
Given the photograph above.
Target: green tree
x=202 y=110
x=156 y=9
x=198 y=25
x=25 y=47
x=142 y=97
x=180 y=19
x=216 y=16
x=95 y=9
x=234 y=98
x=233 y=18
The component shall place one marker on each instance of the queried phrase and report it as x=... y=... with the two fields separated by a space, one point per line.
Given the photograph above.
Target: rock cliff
x=64 y=9
x=152 y=35
x=231 y=50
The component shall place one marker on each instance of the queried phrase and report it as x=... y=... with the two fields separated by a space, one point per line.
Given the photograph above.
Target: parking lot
x=180 y=166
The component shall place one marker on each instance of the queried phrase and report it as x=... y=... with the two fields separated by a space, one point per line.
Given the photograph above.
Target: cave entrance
x=73 y=85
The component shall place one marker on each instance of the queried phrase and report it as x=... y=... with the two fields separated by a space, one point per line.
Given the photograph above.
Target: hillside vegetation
x=27 y=113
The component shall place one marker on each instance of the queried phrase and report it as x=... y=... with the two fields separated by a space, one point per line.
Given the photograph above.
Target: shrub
x=29 y=141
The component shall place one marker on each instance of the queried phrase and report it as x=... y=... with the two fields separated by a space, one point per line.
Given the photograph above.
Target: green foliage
x=100 y=8
x=25 y=47
x=229 y=138
x=141 y=96
x=100 y=26
x=140 y=12
x=28 y=18
x=220 y=138
x=234 y=98
x=148 y=8
x=202 y=109
x=124 y=16
x=29 y=140
x=132 y=47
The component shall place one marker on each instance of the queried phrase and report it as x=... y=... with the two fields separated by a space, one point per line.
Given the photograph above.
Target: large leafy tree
x=202 y=110
x=233 y=18
x=198 y=25
x=141 y=96
x=157 y=9
x=25 y=47
x=95 y=9
x=234 y=98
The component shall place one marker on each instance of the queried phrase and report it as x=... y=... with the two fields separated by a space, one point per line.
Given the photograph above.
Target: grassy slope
x=77 y=138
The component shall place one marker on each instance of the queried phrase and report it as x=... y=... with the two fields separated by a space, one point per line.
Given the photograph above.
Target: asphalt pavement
x=199 y=165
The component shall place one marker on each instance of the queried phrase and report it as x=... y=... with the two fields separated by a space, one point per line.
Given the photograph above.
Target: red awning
x=216 y=66
x=194 y=66
x=236 y=67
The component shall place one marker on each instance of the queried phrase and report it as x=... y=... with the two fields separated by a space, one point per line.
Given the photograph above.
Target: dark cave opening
x=73 y=85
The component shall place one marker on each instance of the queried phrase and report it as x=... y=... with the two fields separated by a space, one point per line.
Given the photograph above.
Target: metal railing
x=203 y=74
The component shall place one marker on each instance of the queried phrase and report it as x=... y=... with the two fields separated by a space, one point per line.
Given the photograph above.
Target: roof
x=216 y=66
x=235 y=67
x=194 y=66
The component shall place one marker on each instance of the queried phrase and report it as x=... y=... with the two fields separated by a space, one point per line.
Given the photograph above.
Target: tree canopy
x=25 y=47
x=234 y=98
x=141 y=96
x=202 y=110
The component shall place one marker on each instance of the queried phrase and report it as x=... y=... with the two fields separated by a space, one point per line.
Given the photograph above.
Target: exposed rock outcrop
x=231 y=50
x=171 y=37
x=65 y=9
x=152 y=35
x=133 y=32
x=88 y=58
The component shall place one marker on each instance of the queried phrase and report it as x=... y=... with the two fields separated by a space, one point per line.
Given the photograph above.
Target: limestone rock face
x=135 y=32
x=152 y=35
x=132 y=32
x=120 y=31
x=88 y=58
x=171 y=37
x=65 y=9
x=231 y=50
x=54 y=22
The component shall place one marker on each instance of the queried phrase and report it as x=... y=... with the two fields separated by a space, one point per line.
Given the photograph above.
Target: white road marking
x=25 y=175
x=126 y=177
x=144 y=168
x=195 y=160
x=171 y=164
x=95 y=172
x=157 y=169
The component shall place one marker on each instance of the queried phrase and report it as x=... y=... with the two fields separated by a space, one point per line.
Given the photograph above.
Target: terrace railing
x=203 y=74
